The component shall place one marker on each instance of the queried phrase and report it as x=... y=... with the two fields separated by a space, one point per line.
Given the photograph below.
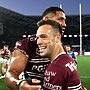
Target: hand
x=35 y=81
x=25 y=86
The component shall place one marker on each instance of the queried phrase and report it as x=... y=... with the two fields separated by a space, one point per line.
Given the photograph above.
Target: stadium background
x=15 y=26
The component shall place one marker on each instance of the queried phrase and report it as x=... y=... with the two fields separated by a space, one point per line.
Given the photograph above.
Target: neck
x=57 y=52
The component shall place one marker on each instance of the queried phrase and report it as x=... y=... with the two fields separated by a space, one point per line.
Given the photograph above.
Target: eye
x=43 y=36
x=61 y=19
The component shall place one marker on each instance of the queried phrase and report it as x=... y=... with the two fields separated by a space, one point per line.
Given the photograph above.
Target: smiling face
x=45 y=40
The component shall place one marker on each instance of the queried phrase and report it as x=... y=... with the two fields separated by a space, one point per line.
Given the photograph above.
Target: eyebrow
x=43 y=36
x=62 y=18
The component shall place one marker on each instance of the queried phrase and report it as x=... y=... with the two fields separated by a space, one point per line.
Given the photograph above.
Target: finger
x=35 y=87
x=35 y=81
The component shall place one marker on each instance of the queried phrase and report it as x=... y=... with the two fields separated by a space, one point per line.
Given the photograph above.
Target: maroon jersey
x=5 y=54
x=36 y=65
x=62 y=74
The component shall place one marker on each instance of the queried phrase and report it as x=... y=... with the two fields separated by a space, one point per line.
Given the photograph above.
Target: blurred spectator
x=5 y=58
x=71 y=53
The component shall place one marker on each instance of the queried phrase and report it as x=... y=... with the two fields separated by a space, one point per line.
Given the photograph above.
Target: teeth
x=41 y=48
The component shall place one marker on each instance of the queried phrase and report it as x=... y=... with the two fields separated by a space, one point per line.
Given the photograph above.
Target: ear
x=58 y=38
x=45 y=18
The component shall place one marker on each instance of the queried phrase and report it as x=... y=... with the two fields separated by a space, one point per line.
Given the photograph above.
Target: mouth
x=63 y=29
x=41 y=49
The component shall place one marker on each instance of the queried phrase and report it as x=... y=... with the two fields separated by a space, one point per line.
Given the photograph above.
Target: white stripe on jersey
x=77 y=87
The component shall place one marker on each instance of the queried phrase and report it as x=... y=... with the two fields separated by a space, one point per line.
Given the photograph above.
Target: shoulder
x=66 y=61
x=26 y=41
x=27 y=45
x=65 y=58
x=62 y=60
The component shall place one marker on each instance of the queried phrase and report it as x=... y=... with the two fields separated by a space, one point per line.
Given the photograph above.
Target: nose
x=39 y=41
x=62 y=23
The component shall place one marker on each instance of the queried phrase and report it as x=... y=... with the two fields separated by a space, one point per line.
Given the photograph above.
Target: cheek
x=60 y=23
x=52 y=44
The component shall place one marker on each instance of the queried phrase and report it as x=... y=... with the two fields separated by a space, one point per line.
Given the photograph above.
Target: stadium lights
x=75 y=35
x=65 y=36
x=70 y=35
x=24 y=35
x=29 y=35
x=86 y=35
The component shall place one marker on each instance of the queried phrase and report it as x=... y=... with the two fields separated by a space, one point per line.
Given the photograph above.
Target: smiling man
x=56 y=14
x=61 y=73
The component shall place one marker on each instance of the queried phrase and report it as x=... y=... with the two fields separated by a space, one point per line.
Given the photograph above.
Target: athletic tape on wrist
x=18 y=84
x=29 y=81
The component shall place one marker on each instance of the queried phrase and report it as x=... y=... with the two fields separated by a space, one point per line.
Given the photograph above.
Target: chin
x=43 y=55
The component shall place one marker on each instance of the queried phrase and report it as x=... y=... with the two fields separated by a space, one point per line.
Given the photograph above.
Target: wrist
x=18 y=83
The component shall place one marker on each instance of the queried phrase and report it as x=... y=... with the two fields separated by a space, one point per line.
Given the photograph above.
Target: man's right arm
x=18 y=64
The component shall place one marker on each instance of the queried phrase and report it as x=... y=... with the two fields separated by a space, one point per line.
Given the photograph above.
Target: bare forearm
x=11 y=79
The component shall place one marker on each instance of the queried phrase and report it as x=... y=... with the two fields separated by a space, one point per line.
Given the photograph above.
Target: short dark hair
x=53 y=23
x=6 y=45
x=51 y=10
